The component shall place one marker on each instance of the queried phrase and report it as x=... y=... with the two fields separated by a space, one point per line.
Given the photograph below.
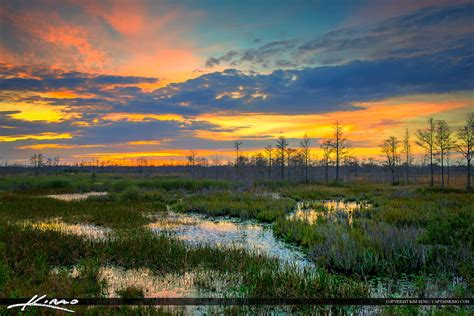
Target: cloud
x=328 y=88
x=42 y=78
x=424 y=31
x=309 y=90
x=132 y=37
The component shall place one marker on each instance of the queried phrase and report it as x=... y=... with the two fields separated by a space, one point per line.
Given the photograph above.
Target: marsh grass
x=32 y=253
x=102 y=210
x=245 y=205
x=85 y=182
x=408 y=230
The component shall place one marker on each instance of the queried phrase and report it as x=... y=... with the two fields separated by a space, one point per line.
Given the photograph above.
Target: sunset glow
x=115 y=80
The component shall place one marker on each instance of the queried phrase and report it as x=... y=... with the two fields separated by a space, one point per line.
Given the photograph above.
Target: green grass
x=86 y=182
x=30 y=254
x=245 y=205
x=410 y=230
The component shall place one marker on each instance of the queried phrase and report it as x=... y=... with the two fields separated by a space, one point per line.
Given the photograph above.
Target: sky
x=119 y=80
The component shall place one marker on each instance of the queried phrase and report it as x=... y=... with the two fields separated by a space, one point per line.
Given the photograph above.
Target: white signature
x=39 y=301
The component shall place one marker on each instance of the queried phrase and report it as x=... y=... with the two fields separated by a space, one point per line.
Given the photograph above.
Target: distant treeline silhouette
x=448 y=156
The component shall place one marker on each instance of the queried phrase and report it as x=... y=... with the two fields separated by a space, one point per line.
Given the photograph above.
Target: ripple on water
x=196 y=229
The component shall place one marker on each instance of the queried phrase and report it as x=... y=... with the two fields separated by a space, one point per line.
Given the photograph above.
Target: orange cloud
x=57 y=146
x=37 y=111
x=124 y=155
x=145 y=44
x=57 y=42
x=64 y=94
x=369 y=126
x=145 y=142
x=139 y=117
x=40 y=136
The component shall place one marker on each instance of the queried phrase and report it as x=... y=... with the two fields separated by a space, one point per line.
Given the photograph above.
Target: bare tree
x=281 y=146
x=259 y=162
x=406 y=150
x=141 y=162
x=289 y=154
x=465 y=145
x=268 y=152
x=340 y=146
x=216 y=162
x=202 y=161
x=192 y=161
x=426 y=139
x=327 y=151
x=443 y=141
x=237 y=146
x=37 y=162
x=306 y=151
x=390 y=150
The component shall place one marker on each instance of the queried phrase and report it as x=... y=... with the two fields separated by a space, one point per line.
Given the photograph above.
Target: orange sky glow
x=121 y=80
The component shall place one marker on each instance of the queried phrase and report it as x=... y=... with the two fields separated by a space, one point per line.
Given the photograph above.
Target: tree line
x=438 y=140
x=279 y=161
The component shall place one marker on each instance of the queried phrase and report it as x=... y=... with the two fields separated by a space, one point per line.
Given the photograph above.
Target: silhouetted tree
x=390 y=150
x=327 y=151
x=426 y=139
x=259 y=162
x=465 y=145
x=443 y=143
x=37 y=162
x=340 y=146
x=237 y=146
x=289 y=155
x=406 y=150
x=281 y=146
x=268 y=152
x=216 y=161
x=306 y=152
x=192 y=161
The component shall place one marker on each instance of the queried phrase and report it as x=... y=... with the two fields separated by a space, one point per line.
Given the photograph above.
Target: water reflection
x=152 y=285
x=196 y=229
x=334 y=210
x=196 y=283
x=89 y=231
x=75 y=196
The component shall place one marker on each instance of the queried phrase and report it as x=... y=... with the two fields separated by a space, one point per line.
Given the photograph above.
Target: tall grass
x=408 y=230
x=237 y=204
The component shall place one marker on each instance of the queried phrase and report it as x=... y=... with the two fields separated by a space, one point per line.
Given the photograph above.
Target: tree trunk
x=442 y=172
x=408 y=173
x=468 y=186
x=431 y=170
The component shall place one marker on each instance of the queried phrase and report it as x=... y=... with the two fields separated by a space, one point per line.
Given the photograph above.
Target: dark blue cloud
x=421 y=32
x=309 y=90
x=44 y=79
x=329 y=88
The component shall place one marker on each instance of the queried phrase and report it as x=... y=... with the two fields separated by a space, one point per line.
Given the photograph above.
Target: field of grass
x=409 y=232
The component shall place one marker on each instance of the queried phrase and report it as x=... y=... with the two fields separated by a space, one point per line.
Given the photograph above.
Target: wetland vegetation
x=85 y=236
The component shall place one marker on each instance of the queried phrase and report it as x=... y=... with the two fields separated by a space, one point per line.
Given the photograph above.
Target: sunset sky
x=114 y=80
